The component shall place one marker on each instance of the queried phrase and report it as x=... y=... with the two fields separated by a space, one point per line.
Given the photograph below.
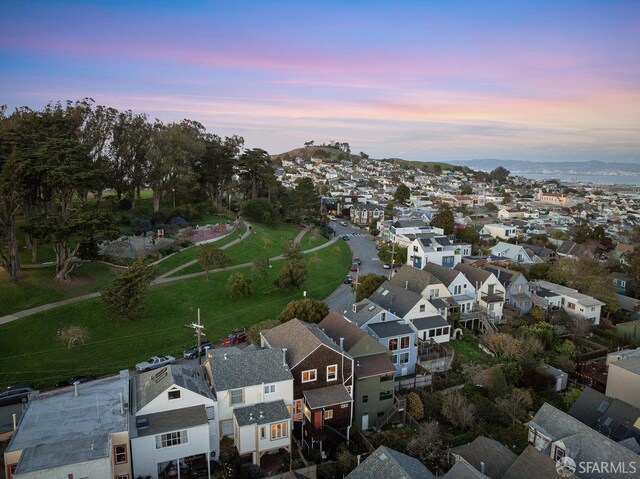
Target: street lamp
x=173 y=193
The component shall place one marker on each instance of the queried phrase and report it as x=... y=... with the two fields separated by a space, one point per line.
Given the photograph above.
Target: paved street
x=364 y=247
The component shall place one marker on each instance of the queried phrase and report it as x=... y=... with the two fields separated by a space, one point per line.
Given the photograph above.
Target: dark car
x=71 y=381
x=345 y=237
x=348 y=279
x=234 y=338
x=192 y=353
x=15 y=394
x=357 y=261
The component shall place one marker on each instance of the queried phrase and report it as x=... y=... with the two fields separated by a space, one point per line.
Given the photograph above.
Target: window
x=386 y=395
x=448 y=261
x=279 y=430
x=122 y=476
x=171 y=439
x=404 y=358
x=269 y=388
x=394 y=359
x=457 y=290
x=120 y=453
x=558 y=454
x=571 y=305
x=263 y=432
x=332 y=372
x=297 y=409
x=490 y=289
x=383 y=316
x=328 y=414
x=422 y=308
x=432 y=333
x=309 y=375
x=393 y=344
x=236 y=396
x=365 y=398
x=434 y=293
x=439 y=332
x=174 y=394
x=404 y=342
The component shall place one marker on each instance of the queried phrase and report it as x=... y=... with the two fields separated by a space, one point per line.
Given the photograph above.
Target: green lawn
x=264 y=242
x=312 y=239
x=36 y=286
x=190 y=254
x=467 y=349
x=31 y=353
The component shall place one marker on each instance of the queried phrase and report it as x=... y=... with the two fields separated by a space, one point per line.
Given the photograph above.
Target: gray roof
x=566 y=247
x=504 y=275
x=263 y=413
x=496 y=456
x=386 y=463
x=430 y=322
x=533 y=460
x=173 y=420
x=462 y=470
x=474 y=275
x=395 y=298
x=590 y=406
x=390 y=328
x=58 y=427
x=415 y=280
x=327 y=396
x=300 y=339
x=153 y=383
x=546 y=293
x=365 y=310
x=248 y=369
x=445 y=275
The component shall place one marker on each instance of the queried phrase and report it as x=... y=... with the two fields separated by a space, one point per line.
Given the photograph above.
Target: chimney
x=75 y=387
x=341 y=343
x=358 y=459
x=284 y=357
x=482 y=467
x=15 y=424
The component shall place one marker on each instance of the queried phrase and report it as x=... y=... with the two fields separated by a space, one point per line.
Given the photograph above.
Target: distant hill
x=419 y=164
x=581 y=167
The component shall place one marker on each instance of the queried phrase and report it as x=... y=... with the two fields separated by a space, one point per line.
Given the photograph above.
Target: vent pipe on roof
x=341 y=343
x=284 y=357
x=482 y=467
x=406 y=285
x=15 y=424
x=75 y=387
x=225 y=356
x=261 y=415
x=121 y=404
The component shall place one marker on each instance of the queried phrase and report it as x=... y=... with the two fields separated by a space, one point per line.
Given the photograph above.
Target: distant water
x=605 y=179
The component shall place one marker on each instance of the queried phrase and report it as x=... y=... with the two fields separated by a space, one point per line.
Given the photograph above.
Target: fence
x=310 y=471
x=414 y=382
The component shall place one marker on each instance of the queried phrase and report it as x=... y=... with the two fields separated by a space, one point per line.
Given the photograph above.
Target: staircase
x=398 y=406
x=487 y=324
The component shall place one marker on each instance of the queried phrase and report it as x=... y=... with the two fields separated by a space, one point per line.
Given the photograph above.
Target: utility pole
x=199 y=329
x=393 y=261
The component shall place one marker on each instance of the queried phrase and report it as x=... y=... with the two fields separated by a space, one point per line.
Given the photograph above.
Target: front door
x=317 y=419
x=365 y=422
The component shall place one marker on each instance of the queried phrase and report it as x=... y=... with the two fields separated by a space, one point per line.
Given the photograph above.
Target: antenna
x=199 y=329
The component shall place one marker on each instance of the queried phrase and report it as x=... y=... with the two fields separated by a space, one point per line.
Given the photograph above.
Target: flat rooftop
x=60 y=428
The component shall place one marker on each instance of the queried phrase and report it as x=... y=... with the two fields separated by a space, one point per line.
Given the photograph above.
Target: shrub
x=141 y=225
x=124 y=204
x=178 y=221
x=238 y=286
x=259 y=210
x=415 y=406
x=187 y=211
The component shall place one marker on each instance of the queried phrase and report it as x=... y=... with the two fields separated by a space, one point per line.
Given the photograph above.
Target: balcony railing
x=435 y=356
x=492 y=298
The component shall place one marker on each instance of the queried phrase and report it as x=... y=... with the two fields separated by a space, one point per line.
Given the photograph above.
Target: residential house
x=436 y=249
x=487 y=456
x=574 y=302
x=559 y=435
x=322 y=381
x=516 y=287
x=402 y=302
x=461 y=289
x=490 y=294
x=623 y=379
x=254 y=392
x=499 y=231
x=622 y=249
x=532 y=462
x=399 y=337
x=173 y=421
x=404 y=227
x=367 y=312
x=388 y=463
x=622 y=282
x=373 y=370
x=554 y=198
x=80 y=431
x=540 y=254
x=567 y=248
x=426 y=285
x=365 y=214
x=514 y=252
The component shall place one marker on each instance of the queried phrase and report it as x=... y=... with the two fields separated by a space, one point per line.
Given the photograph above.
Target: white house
x=490 y=294
x=432 y=248
x=402 y=302
x=514 y=252
x=174 y=424
x=499 y=231
x=461 y=289
x=574 y=302
x=254 y=390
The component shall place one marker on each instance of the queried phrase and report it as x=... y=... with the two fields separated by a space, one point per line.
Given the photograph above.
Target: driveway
x=362 y=246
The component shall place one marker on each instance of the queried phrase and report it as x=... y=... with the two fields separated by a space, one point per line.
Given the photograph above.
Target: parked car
x=154 y=362
x=357 y=261
x=354 y=268
x=386 y=266
x=345 y=237
x=234 y=338
x=75 y=379
x=378 y=246
x=343 y=223
x=192 y=353
x=348 y=279
x=18 y=393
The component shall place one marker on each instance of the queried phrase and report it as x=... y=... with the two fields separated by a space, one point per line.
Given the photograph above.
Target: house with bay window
x=462 y=291
x=363 y=214
x=173 y=427
x=322 y=381
x=434 y=248
x=399 y=337
x=254 y=393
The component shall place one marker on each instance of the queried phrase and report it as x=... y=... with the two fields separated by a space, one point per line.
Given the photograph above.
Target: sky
x=544 y=80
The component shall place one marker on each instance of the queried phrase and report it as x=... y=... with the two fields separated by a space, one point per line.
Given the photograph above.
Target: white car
x=154 y=362
x=343 y=223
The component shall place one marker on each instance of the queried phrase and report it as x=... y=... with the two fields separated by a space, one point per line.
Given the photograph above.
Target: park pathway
x=159 y=280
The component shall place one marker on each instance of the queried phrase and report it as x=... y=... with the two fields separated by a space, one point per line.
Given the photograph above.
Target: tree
x=567 y=348
x=260 y=267
x=10 y=202
x=292 y=276
x=426 y=444
x=458 y=410
x=468 y=235
x=496 y=383
x=504 y=345
x=303 y=204
x=499 y=174
x=393 y=253
x=259 y=210
x=539 y=271
x=491 y=207
x=368 y=284
x=239 y=286
x=466 y=190
x=389 y=210
x=124 y=296
x=402 y=194
x=308 y=310
x=255 y=166
x=73 y=334
x=216 y=167
x=444 y=219
x=293 y=250
x=570 y=397
x=515 y=403
x=415 y=407
x=211 y=257
x=506 y=199
x=254 y=331
x=632 y=266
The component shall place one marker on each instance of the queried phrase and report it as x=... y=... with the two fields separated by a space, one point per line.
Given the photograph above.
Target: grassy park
x=32 y=353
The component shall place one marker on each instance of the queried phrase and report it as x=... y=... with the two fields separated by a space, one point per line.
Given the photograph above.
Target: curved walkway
x=159 y=280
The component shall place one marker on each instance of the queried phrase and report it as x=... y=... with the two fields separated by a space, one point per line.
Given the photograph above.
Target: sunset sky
x=422 y=80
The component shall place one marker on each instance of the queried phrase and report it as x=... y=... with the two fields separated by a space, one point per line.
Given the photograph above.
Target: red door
x=317 y=419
